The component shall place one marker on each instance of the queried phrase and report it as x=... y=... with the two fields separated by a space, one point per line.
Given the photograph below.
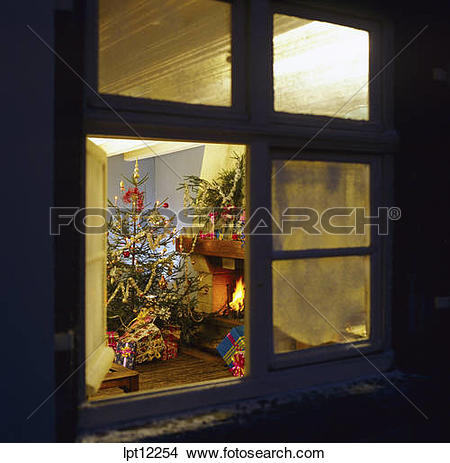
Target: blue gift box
x=125 y=354
x=232 y=342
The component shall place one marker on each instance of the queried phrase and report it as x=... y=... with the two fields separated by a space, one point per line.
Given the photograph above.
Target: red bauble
x=166 y=205
x=126 y=253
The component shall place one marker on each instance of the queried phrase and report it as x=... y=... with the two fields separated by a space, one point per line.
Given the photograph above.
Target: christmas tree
x=144 y=271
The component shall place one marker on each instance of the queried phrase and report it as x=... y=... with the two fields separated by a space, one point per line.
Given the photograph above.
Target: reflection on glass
x=319 y=186
x=320 y=68
x=173 y=50
x=320 y=301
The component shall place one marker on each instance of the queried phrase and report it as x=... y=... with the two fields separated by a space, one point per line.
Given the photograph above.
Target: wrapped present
x=148 y=340
x=125 y=354
x=171 y=336
x=142 y=319
x=113 y=337
x=232 y=350
x=171 y=333
x=170 y=350
x=238 y=368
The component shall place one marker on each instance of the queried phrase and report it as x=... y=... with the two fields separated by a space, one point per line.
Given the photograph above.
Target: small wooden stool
x=119 y=376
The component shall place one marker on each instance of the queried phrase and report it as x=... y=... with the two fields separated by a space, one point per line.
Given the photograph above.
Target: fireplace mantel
x=219 y=248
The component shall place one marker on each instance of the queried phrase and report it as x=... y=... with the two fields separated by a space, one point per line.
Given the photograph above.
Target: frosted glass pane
x=338 y=291
x=175 y=50
x=318 y=67
x=319 y=186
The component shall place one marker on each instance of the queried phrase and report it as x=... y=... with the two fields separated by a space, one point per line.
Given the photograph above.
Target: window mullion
x=258 y=264
x=260 y=61
x=238 y=56
x=326 y=252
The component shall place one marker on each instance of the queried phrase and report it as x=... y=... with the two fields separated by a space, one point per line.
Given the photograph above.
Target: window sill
x=140 y=408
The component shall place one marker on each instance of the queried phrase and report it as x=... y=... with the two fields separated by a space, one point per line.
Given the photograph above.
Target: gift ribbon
x=238 y=358
x=238 y=364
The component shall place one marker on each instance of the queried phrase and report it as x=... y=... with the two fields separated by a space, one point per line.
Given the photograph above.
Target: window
x=320 y=68
x=309 y=295
x=320 y=185
x=318 y=301
x=174 y=51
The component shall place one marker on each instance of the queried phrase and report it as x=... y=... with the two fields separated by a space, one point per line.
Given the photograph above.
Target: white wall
x=169 y=172
x=218 y=157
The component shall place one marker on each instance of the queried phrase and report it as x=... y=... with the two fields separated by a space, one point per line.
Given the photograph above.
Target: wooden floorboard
x=189 y=367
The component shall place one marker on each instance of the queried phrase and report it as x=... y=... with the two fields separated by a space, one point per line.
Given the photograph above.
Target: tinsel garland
x=131 y=282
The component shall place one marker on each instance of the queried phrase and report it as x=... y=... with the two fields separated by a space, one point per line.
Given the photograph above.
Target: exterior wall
x=27 y=90
x=422 y=190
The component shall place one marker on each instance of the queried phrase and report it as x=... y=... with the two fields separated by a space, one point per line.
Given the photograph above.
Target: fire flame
x=237 y=304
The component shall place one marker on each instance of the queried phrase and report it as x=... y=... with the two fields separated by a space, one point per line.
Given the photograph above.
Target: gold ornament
x=136 y=172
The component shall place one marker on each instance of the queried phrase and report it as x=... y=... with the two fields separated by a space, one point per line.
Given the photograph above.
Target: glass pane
x=320 y=189
x=320 y=68
x=173 y=50
x=320 y=301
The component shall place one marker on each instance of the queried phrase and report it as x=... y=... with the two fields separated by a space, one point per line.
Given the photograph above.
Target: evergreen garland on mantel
x=222 y=199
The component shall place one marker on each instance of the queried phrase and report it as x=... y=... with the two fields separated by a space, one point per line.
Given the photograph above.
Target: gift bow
x=126 y=351
x=143 y=317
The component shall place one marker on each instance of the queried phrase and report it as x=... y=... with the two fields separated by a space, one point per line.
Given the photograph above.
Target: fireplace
x=221 y=265
x=221 y=276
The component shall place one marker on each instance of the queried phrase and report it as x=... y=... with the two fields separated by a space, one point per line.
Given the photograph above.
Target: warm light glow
x=133 y=149
x=181 y=50
x=237 y=304
x=320 y=68
x=113 y=146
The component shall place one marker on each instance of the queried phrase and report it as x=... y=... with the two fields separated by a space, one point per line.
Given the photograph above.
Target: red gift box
x=170 y=351
x=113 y=337
x=171 y=336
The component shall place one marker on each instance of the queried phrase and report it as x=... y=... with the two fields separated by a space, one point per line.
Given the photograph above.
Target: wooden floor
x=191 y=366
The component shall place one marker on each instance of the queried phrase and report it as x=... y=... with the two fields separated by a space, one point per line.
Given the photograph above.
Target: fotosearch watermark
x=331 y=221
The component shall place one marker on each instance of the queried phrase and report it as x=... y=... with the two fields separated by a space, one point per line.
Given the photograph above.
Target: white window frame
x=252 y=121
